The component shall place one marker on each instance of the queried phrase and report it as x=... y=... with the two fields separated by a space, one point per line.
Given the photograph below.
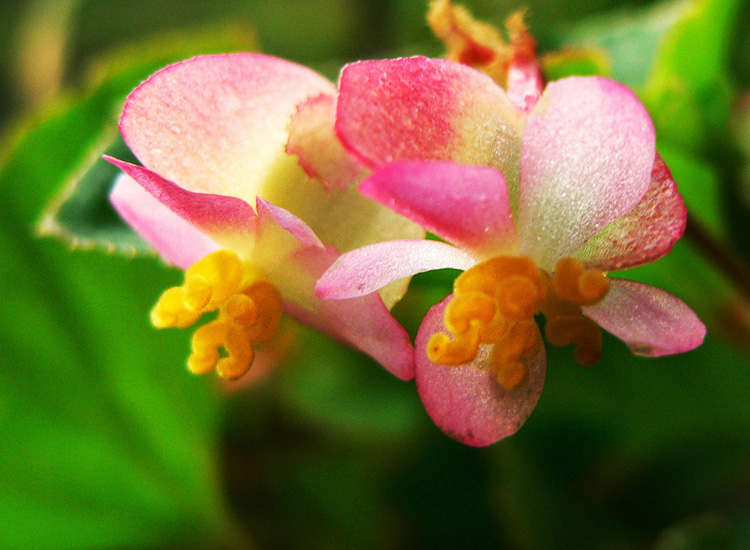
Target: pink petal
x=367 y=269
x=524 y=82
x=176 y=240
x=218 y=123
x=466 y=205
x=644 y=234
x=364 y=323
x=229 y=221
x=649 y=320
x=319 y=151
x=269 y=213
x=586 y=159
x=426 y=109
x=466 y=402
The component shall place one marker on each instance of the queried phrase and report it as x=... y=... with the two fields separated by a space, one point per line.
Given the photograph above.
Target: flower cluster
x=277 y=191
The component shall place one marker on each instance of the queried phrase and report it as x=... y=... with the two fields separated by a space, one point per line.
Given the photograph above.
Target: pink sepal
x=367 y=269
x=319 y=151
x=298 y=228
x=649 y=320
x=466 y=401
x=229 y=221
x=218 y=123
x=644 y=234
x=586 y=159
x=293 y=259
x=418 y=108
x=176 y=240
x=466 y=205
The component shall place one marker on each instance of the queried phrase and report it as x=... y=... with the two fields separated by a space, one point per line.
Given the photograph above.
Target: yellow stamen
x=170 y=310
x=575 y=284
x=249 y=313
x=495 y=303
x=523 y=341
x=461 y=349
x=580 y=331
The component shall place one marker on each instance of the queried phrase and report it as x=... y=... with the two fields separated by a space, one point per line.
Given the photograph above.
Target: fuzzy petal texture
x=367 y=269
x=649 y=320
x=466 y=402
x=319 y=151
x=644 y=234
x=466 y=205
x=586 y=159
x=229 y=221
x=218 y=123
x=293 y=262
x=426 y=109
x=176 y=240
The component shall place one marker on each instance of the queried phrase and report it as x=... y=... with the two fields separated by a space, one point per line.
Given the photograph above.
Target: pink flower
x=537 y=203
x=220 y=197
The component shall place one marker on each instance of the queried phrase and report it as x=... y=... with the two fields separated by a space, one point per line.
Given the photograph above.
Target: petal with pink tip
x=364 y=323
x=229 y=221
x=466 y=205
x=644 y=234
x=176 y=240
x=426 y=109
x=218 y=123
x=649 y=320
x=586 y=159
x=367 y=269
x=269 y=213
x=320 y=153
x=466 y=401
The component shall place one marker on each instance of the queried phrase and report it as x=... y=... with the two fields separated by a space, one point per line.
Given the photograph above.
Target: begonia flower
x=536 y=205
x=221 y=197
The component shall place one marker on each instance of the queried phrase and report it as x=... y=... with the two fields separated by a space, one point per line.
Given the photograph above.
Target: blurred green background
x=107 y=442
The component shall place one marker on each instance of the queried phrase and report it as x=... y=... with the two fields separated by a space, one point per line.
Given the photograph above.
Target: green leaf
x=688 y=92
x=108 y=442
x=630 y=37
x=82 y=214
x=355 y=389
x=67 y=140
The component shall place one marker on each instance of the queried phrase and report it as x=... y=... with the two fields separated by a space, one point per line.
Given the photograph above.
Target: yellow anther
x=519 y=297
x=495 y=303
x=170 y=310
x=523 y=341
x=197 y=292
x=213 y=279
x=575 y=284
x=240 y=354
x=512 y=375
x=267 y=300
x=580 y=331
x=241 y=309
x=485 y=276
x=206 y=342
x=250 y=312
x=457 y=351
x=468 y=308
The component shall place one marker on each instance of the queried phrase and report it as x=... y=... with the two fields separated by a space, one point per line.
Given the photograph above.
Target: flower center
x=249 y=313
x=495 y=301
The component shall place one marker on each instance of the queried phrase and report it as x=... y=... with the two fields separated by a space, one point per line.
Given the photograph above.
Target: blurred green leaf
x=630 y=37
x=107 y=441
x=82 y=215
x=688 y=92
x=576 y=62
x=362 y=400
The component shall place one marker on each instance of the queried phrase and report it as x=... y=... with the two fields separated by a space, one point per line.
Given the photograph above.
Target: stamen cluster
x=495 y=303
x=249 y=313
